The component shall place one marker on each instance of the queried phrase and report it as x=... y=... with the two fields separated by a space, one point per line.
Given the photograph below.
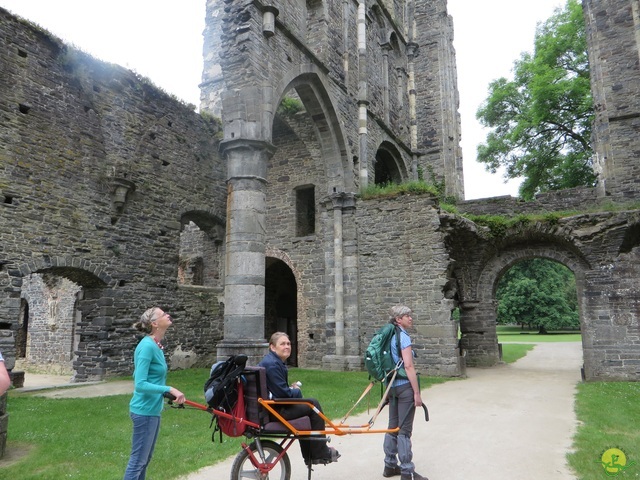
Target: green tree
x=539 y=293
x=540 y=122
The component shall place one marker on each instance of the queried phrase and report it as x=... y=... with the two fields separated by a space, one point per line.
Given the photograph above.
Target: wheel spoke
x=253 y=474
x=272 y=455
x=280 y=468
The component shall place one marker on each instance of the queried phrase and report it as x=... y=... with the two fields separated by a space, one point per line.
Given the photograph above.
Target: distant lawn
x=507 y=334
x=515 y=351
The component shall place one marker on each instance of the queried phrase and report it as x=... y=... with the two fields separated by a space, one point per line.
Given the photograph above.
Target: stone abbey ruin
x=246 y=218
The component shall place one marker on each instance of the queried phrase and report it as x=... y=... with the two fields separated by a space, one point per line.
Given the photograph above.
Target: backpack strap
x=383 y=400
x=214 y=418
x=400 y=363
x=398 y=333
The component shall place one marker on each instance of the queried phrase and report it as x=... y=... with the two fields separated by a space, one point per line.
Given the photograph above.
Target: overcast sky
x=162 y=40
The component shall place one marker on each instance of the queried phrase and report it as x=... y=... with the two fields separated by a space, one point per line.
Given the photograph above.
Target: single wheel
x=243 y=468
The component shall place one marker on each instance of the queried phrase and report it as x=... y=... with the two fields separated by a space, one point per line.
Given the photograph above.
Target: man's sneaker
x=412 y=476
x=391 y=471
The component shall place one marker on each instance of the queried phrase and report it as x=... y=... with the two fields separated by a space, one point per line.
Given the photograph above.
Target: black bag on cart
x=221 y=389
x=223 y=392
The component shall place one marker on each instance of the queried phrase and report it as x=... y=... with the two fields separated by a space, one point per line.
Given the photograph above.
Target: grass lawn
x=609 y=417
x=91 y=438
x=515 y=351
x=510 y=334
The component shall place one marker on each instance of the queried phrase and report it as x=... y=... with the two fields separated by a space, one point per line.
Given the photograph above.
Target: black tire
x=242 y=467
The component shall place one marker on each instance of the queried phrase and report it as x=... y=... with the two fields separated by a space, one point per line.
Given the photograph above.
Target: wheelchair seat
x=256 y=387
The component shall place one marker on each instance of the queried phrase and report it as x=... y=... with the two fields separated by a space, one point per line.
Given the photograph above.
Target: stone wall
x=436 y=85
x=568 y=200
x=613 y=44
x=298 y=163
x=402 y=260
x=98 y=171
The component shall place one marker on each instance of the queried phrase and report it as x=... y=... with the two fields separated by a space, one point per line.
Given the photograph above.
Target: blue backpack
x=377 y=358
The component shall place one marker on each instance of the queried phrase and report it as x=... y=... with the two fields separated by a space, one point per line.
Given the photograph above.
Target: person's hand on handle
x=179 y=396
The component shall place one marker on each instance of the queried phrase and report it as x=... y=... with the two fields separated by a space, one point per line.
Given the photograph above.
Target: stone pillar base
x=254 y=350
x=17 y=379
x=462 y=365
x=342 y=363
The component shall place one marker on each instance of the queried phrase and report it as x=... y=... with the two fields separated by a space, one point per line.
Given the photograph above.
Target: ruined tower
x=376 y=87
x=614 y=49
x=115 y=197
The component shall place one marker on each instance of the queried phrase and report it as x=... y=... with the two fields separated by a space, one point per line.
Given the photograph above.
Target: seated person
x=315 y=450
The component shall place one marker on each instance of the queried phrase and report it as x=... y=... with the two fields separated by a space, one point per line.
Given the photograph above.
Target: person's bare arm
x=409 y=367
x=5 y=381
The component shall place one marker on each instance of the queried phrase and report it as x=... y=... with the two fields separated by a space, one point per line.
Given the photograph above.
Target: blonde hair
x=274 y=338
x=144 y=324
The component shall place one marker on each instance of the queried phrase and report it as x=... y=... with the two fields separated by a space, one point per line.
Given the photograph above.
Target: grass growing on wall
x=388 y=190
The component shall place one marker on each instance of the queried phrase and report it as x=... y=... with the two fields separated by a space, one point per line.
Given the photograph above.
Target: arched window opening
x=281 y=306
x=201 y=250
x=305 y=211
x=46 y=329
x=386 y=169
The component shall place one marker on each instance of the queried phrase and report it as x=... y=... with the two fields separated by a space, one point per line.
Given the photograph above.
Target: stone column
x=412 y=52
x=7 y=347
x=478 y=328
x=363 y=103
x=338 y=273
x=244 y=294
x=339 y=202
x=386 y=48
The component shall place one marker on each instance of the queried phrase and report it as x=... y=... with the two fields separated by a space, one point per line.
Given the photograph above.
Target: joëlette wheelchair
x=271 y=435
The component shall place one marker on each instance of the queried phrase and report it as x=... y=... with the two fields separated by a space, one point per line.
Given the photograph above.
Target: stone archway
x=478 y=318
x=281 y=305
x=285 y=305
x=306 y=81
x=68 y=316
x=388 y=165
x=50 y=324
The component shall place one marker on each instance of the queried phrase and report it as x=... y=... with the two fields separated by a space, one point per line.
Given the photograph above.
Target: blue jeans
x=397 y=446
x=145 y=434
